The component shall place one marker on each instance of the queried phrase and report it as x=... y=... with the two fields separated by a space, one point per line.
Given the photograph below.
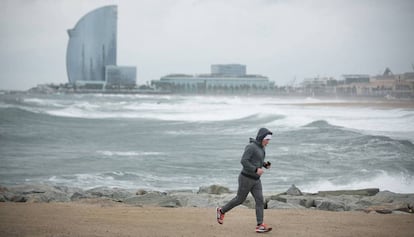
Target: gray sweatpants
x=247 y=185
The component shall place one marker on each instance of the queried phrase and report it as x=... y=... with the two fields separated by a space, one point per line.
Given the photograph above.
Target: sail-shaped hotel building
x=92 y=51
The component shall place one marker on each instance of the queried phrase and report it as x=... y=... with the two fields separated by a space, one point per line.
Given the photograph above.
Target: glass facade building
x=92 y=45
x=224 y=78
x=117 y=76
x=237 y=70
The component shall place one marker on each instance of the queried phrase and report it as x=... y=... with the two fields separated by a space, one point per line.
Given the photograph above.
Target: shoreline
x=364 y=200
x=399 y=104
x=243 y=95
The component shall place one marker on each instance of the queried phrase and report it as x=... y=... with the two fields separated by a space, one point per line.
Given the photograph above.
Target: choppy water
x=167 y=142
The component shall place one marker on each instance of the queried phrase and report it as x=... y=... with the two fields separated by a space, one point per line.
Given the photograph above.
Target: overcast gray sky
x=281 y=39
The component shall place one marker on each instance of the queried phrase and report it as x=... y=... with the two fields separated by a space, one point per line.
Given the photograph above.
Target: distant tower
x=387 y=72
x=92 y=45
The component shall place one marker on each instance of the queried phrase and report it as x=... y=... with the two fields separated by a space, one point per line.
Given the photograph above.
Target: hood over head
x=262 y=133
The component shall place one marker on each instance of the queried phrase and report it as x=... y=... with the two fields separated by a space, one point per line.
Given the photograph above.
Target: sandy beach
x=381 y=104
x=115 y=219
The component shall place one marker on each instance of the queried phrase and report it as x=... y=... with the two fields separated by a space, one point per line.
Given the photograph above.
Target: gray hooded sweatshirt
x=254 y=154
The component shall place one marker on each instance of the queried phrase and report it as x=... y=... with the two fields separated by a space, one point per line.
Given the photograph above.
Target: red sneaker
x=262 y=228
x=220 y=216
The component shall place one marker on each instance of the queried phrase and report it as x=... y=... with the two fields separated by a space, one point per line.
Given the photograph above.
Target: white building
x=229 y=78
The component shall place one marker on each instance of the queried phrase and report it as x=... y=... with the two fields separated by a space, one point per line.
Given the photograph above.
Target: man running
x=249 y=178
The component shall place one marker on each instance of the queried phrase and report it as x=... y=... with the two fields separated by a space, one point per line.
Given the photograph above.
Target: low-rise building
x=120 y=76
x=220 y=81
x=319 y=86
x=387 y=84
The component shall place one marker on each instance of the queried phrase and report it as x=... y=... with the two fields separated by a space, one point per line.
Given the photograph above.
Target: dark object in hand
x=267 y=164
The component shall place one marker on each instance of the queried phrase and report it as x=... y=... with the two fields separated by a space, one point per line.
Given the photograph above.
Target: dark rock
x=278 y=198
x=249 y=202
x=294 y=191
x=78 y=196
x=325 y=205
x=410 y=207
x=172 y=203
x=331 y=206
x=3 y=189
x=3 y=194
x=387 y=197
x=363 y=202
x=35 y=193
x=273 y=204
x=360 y=192
x=205 y=200
x=392 y=201
x=154 y=199
x=384 y=211
x=7 y=196
x=404 y=207
x=116 y=194
x=18 y=198
x=214 y=189
x=141 y=192
x=308 y=203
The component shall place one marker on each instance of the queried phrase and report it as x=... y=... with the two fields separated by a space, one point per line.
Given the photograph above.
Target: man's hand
x=259 y=171
x=267 y=165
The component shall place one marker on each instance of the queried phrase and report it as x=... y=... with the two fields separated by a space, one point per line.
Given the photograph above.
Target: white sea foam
x=201 y=108
x=384 y=181
x=37 y=101
x=45 y=102
x=89 y=181
x=195 y=108
x=291 y=112
x=395 y=123
x=129 y=153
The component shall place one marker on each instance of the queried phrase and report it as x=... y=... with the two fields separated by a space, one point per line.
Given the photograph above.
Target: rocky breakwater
x=368 y=200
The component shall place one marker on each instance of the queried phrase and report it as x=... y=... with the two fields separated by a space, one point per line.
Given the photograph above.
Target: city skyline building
x=91 y=58
x=92 y=45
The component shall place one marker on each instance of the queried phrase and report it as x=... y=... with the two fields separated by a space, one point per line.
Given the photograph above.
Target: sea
x=184 y=142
